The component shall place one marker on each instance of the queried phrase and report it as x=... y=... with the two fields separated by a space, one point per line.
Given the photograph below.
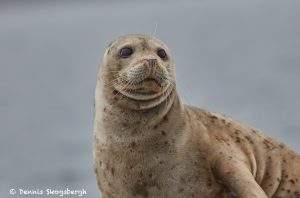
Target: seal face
x=145 y=76
x=148 y=144
x=139 y=70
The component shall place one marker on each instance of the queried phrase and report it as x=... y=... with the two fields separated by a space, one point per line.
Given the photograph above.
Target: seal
x=146 y=143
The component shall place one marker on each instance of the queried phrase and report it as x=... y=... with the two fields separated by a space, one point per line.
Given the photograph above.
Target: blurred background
x=238 y=57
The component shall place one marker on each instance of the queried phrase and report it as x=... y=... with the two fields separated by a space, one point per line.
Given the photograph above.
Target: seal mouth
x=152 y=80
x=158 y=80
x=145 y=89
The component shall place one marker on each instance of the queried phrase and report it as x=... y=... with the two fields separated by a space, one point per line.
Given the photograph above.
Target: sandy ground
x=241 y=58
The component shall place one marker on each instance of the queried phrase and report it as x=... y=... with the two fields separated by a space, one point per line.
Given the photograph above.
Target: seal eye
x=125 y=52
x=161 y=53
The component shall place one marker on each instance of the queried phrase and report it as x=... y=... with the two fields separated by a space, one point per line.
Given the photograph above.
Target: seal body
x=148 y=144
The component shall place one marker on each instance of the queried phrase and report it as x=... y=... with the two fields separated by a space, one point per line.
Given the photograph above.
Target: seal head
x=138 y=72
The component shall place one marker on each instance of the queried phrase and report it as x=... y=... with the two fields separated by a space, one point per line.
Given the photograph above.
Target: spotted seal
x=148 y=144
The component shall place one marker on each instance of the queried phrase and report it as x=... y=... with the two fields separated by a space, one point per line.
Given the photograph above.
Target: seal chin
x=147 y=89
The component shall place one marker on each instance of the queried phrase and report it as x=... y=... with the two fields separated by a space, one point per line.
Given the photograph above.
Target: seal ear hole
x=125 y=52
x=162 y=53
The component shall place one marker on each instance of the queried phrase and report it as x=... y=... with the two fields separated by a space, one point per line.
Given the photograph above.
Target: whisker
x=111 y=83
x=124 y=87
x=155 y=29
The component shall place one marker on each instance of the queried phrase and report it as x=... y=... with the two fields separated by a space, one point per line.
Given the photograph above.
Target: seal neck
x=119 y=111
x=122 y=104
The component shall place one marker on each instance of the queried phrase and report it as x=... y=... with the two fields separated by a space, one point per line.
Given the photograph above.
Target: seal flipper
x=238 y=178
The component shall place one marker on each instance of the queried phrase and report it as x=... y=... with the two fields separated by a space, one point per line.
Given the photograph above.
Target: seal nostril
x=152 y=62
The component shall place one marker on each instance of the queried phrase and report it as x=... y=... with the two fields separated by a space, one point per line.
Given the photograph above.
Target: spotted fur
x=147 y=144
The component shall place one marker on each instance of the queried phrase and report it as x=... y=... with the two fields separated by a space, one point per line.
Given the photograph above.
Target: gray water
x=238 y=57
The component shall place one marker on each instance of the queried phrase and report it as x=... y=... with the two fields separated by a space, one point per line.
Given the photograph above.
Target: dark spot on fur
x=237 y=132
x=141 y=173
x=209 y=183
x=104 y=109
x=182 y=180
x=213 y=117
x=292 y=181
x=124 y=124
x=269 y=157
x=150 y=175
x=112 y=170
x=163 y=133
x=249 y=139
x=221 y=139
x=278 y=179
x=134 y=132
x=165 y=118
x=237 y=140
x=132 y=144
x=254 y=131
x=268 y=144
x=140 y=189
x=181 y=190
x=293 y=157
x=155 y=127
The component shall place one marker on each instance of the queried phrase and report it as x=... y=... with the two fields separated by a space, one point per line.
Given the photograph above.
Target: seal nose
x=152 y=62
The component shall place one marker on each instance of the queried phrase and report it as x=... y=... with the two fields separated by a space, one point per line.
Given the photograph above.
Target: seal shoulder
x=221 y=124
